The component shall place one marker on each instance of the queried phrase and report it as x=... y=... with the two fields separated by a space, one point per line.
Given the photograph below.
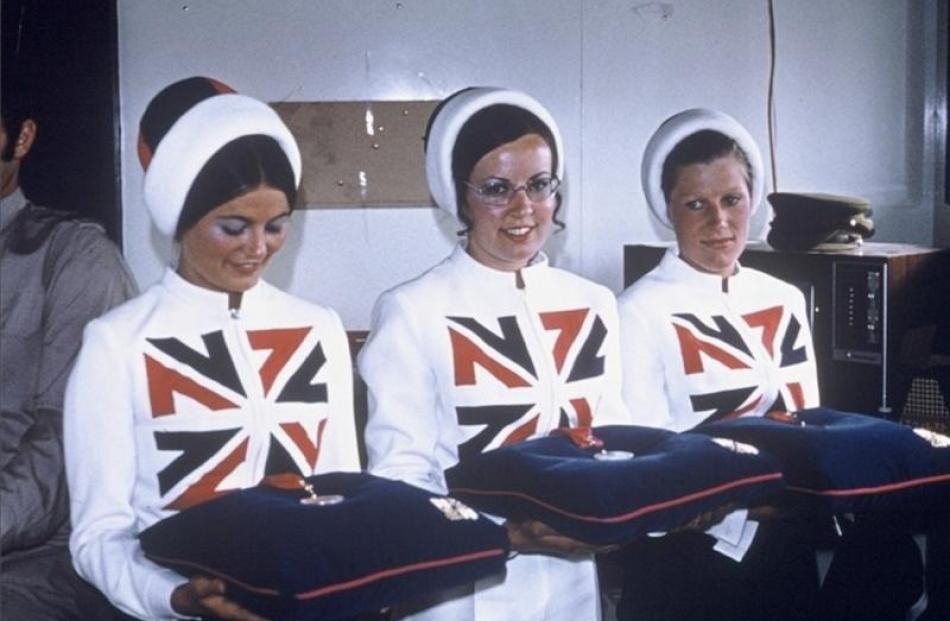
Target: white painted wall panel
x=849 y=108
x=609 y=70
x=344 y=50
x=642 y=64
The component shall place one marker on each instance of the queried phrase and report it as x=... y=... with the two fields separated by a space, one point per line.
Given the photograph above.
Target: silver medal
x=322 y=500
x=613 y=455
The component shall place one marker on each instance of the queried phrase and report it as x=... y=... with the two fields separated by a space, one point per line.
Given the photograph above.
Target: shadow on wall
x=70 y=52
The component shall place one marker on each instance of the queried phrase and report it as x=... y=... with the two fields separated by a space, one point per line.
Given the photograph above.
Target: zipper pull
x=519 y=279
x=234 y=304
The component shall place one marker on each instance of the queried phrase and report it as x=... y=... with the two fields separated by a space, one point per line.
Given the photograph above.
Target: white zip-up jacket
x=466 y=358
x=174 y=400
x=698 y=347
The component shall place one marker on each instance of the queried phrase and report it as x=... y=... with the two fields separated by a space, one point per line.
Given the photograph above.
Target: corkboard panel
x=361 y=153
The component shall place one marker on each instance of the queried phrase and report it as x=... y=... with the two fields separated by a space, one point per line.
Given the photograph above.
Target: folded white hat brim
x=449 y=122
x=672 y=132
x=194 y=138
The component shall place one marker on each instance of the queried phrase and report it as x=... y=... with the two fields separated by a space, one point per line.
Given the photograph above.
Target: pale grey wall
x=849 y=103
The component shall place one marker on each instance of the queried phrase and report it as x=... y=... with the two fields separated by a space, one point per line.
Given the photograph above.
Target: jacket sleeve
x=402 y=428
x=644 y=378
x=33 y=498
x=612 y=410
x=338 y=447
x=86 y=277
x=100 y=451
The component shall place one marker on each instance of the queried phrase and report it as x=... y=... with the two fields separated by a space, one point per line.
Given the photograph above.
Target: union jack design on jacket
x=196 y=401
x=174 y=400
x=463 y=360
x=481 y=355
x=699 y=348
x=187 y=382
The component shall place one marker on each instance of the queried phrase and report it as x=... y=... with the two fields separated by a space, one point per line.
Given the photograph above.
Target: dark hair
x=701 y=147
x=20 y=79
x=12 y=125
x=17 y=104
x=485 y=131
x=240 y=166
x=171 y=103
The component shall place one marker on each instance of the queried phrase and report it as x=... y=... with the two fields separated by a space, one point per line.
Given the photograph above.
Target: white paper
x=734 y=534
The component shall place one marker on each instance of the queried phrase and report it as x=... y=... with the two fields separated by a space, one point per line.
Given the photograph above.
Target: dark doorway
x=71 y=46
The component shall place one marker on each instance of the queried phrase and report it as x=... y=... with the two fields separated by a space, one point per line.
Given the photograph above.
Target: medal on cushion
x=605 y=455
x=584 y=438
x=784 y=417
x=294 y=482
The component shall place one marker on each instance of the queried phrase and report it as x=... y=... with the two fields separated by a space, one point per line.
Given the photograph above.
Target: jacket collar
x=531 y=273
x=10 y=206
x=675 y=268
x=208 y=301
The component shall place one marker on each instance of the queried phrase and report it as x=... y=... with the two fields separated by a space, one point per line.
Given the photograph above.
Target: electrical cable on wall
x=806 y=221
x=771 y=95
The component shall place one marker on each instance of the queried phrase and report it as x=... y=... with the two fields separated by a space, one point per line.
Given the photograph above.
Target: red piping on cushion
x=633 y=514
x=342 y=586
x=395 y=571
x=218 y=574
x=880 y=489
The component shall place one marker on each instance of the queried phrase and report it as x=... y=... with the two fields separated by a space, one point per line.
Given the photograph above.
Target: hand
x=202 y=596
x=705 y=521
x=765 y=513
x=533 y=537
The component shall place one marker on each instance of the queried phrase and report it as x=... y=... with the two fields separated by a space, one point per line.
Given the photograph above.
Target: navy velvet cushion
x=851 y=462
x=672 y=479
x=384 y=543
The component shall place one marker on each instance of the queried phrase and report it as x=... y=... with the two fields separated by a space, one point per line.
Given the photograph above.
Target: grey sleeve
x=86 y=276
x=33 y=497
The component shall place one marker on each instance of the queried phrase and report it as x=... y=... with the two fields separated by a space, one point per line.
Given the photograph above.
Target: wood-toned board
x=360 y=153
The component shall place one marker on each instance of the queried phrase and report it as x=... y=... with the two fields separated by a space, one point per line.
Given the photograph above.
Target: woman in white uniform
x=494 y=345
x=703 y=339
x=211 y=379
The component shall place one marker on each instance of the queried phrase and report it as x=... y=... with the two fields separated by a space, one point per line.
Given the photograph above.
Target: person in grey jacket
x=56 y=273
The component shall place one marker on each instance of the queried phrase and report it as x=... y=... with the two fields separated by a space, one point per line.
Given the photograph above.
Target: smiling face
x=228 y=249
x=709 y=207
x=507 y=237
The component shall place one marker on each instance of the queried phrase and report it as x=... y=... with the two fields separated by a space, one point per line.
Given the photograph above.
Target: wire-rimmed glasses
x=498 y=192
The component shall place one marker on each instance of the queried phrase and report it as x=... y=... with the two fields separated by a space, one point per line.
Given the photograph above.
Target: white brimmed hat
x=214 y=116
x=679 y=126
x=448 y=122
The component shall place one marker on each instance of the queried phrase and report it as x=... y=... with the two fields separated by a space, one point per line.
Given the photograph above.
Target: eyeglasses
x=499 y=192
